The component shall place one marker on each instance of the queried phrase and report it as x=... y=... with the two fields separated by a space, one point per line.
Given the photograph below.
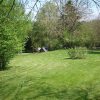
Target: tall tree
x=47 y=19
x=13 y=31
x=70 y=18
x=69 y=22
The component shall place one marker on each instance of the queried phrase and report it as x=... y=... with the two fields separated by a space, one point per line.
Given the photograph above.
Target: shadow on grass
x=73 y=58
x=94 y=52
x=6 y=68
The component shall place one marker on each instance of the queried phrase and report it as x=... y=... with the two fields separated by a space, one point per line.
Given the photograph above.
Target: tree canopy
x=14 y=27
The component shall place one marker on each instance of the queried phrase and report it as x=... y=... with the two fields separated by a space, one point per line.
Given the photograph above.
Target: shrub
x=13 y=32
x=77 y=52
x=9 y=46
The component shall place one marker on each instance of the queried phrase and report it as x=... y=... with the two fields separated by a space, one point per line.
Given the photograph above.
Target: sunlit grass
x=50 y=76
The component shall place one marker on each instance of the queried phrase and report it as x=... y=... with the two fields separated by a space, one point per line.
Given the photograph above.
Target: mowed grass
x=51 y=76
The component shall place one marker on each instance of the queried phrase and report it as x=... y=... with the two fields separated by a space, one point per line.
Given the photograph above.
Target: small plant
x=77 y=52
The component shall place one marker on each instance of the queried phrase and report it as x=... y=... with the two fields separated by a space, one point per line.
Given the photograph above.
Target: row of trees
x=54 y=27
x=57 y=30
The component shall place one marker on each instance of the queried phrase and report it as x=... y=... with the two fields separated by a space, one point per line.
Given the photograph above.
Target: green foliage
x=38 y=35
x=88 y=34
x=54 y=44
x=69 y=23
x=13 y=31
x=44 y=32
x=77 y=52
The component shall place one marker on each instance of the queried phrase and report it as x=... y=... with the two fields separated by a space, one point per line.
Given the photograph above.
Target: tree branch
x=11 y=8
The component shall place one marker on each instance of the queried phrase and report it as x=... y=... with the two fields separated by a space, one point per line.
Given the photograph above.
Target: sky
x=31 y=3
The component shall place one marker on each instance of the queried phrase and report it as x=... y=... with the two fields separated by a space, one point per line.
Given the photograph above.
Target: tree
x=96 y=27
x=88 y=34
x=13 y=31
x=38 y=36
x=69 y=22
x=46 y=26
x=70 y=18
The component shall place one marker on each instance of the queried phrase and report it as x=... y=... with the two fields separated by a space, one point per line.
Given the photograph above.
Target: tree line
x=54 y=30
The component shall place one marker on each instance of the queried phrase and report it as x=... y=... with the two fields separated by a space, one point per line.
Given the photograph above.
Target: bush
x=13 y=32
x=77 y=52
x=10 y=45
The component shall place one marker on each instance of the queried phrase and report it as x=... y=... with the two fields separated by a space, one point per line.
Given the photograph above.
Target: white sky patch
x=34 y=7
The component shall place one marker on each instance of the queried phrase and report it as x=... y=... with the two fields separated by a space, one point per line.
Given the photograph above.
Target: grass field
x=51 y=76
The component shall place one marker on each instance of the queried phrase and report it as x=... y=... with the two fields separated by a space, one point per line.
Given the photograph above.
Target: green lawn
x=51 y=76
